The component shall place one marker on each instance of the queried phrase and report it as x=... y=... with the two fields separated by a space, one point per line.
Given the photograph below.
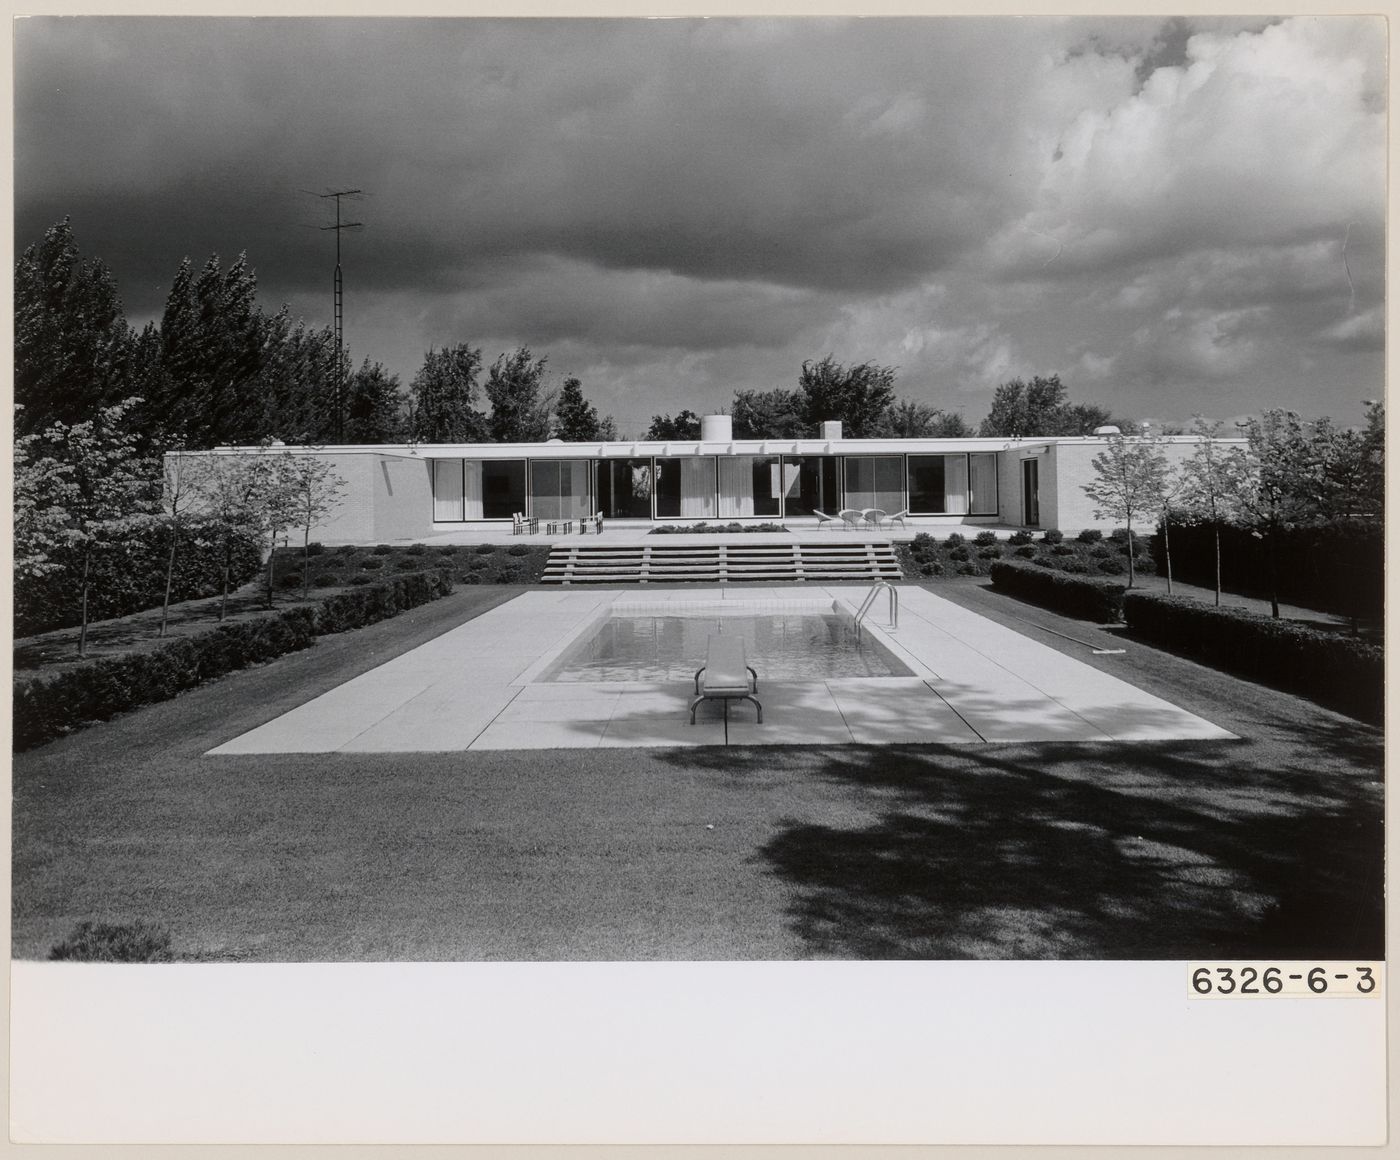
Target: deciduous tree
x=856 y=396
x=685 y=425
x=315 y=491
x=1130 y=476
x=1211 y=482
x=520 y=407
x=775 y=414
x=442 y=397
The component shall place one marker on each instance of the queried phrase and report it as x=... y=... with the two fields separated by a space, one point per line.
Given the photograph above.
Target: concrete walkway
x=475 y=687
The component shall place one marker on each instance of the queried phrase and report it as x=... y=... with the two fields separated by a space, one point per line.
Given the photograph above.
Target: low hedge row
x=48 y=705
x=1343 y=672
x=1083 y=597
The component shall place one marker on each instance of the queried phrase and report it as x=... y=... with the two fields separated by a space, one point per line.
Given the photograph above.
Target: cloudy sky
x=1175 y=216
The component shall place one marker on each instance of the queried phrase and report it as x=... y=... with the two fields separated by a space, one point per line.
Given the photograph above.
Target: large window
x=875 y=481
x=810 y=485
x=502 y=488
x=559 y=489
x=685 y=487
x=982 y=467
x=456 y=489
x=750 y=485
x=624 y=488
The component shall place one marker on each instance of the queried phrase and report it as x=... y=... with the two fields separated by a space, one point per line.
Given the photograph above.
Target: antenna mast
x=338 y=406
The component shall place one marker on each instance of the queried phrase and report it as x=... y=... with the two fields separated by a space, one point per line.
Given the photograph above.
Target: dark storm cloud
x=694 y=206
x=796 y=154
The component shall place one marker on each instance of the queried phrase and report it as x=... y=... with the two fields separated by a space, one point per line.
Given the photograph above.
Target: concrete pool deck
x=475 y=688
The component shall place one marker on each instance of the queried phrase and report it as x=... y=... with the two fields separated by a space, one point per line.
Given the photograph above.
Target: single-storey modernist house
x=416 y=491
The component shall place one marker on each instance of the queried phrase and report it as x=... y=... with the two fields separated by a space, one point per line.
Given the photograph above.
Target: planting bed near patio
x=1090 y=553
x=350 y=565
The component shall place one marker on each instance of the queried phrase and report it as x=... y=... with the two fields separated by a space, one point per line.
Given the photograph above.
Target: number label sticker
x=1302 y=980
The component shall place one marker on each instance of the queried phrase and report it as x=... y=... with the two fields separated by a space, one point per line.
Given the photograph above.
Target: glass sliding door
x=810 y=485
x=447 y=490
x=685 y=487
x=502 y=488
x=456 y=490
x=875 y=481
x=750 y=485
x=982 y=472
x=559 y=489
x=928 y=484
x=625 y=488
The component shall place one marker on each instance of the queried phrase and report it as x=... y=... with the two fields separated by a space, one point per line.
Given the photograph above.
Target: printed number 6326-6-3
x=1265 y=980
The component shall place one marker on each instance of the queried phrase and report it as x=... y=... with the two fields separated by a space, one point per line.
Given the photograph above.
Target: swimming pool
x=787 y=641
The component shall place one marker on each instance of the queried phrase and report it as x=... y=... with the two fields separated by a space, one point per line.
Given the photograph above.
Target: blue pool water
x=785 y=646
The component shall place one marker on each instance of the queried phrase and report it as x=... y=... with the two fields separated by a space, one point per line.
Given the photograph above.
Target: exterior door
x=1030 y=492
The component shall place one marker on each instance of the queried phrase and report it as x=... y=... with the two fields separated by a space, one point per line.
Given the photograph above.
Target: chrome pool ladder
x=870 y=599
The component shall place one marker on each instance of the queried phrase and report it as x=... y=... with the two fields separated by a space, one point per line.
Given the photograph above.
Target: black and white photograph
x=838 y=547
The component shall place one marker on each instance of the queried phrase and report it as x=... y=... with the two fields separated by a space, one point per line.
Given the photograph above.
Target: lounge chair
x=873 y=517
x=898 y=518
x=851 y=519
x=726 y=675
x=823 y=519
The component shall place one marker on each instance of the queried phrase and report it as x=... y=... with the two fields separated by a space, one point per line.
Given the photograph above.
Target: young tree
x=1284 y=481
x=315 y=491
x=1211 y=481
x=97 y=488
x=575 y=418
x=228 y=498
x=442 y=397
x=857 y=396
x=374 y=406
x=71 y=339
x=775 y=414
x=274 y=508
x=686 y=425
x=181 y=496
x=1130 y=478
x=520 y=409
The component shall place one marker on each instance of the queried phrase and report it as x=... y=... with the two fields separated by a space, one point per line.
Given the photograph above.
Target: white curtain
x=697 y=487
x=736 y=486
x=955 y=484
x=471 y=492
x=984 y=483
x=573 y=483
x=447 y=489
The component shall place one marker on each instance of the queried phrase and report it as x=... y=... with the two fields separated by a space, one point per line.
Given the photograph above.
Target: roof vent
x=830 y=429
x=716 y=428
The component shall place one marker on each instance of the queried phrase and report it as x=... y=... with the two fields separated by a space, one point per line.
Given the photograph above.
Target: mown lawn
x=1267 y=847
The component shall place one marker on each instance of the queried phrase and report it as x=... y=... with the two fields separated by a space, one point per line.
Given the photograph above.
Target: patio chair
x=726 y=675
x=898 y=518
x=823 y=519
x=851 y=519
x=873 y=517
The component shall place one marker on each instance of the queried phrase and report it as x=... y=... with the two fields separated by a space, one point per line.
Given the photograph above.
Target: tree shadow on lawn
x=1085 y=851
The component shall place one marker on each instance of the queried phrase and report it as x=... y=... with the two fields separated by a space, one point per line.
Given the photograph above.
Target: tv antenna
x=338 y=417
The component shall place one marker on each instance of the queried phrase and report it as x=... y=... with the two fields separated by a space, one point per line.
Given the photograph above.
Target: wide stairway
x=720 y=563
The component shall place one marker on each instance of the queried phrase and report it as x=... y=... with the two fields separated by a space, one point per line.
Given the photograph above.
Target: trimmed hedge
x=48 y=705
x=1083 y=597
x=1336 y=567
x=1343 y=672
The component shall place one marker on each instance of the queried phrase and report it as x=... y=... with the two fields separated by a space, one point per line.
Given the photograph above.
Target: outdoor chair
x=726 y=675
x=873 y=517
x=850 y=519
x=823 y=519
x=898 y=518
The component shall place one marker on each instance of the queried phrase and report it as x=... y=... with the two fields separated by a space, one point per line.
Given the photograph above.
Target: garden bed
x=1090 y=553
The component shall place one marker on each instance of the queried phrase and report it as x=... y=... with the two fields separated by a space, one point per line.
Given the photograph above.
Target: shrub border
x=49 y=706
x=1341 y=672
x=1074 y=594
